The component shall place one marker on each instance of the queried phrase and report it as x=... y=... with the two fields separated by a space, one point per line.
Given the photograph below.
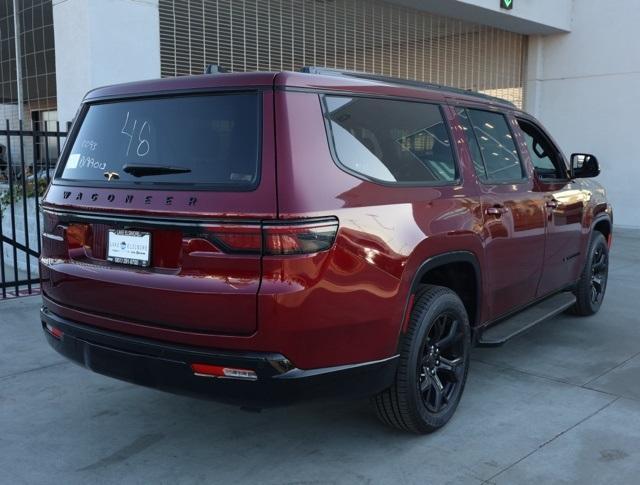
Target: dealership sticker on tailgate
x=129 y=247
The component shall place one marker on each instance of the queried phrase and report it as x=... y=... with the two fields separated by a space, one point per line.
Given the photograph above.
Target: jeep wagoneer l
x=260 y=238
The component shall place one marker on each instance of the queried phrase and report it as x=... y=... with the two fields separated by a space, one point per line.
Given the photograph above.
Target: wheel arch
x=440 y=261
x=604 y=225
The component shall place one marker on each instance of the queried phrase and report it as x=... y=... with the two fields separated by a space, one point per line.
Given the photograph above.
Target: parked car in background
x=261 y=238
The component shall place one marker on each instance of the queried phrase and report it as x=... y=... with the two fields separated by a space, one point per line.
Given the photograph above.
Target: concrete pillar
x=100 y=42
x=534 y=75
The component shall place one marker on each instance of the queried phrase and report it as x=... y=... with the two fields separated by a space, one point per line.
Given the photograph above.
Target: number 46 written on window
x=143 y=143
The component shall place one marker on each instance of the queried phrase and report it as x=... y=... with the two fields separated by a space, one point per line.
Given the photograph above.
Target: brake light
x=53 y=240
x=236 y=238
x=208 y=370
x=301 y=238
x=274 y=238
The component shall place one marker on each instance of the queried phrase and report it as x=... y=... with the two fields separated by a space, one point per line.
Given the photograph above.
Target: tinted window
x=211 y=139
x=391 y=141
x=472 y=142
x=498 y=149
x=544 y=155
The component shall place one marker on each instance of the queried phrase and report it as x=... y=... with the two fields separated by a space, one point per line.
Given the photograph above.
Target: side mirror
x=584 y=165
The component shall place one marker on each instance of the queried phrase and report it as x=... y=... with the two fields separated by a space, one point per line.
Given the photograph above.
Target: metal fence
x=27 y=160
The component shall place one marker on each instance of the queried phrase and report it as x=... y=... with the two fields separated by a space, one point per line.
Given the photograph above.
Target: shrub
x=8 y=197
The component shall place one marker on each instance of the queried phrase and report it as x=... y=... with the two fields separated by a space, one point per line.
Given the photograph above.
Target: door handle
x=496 y=210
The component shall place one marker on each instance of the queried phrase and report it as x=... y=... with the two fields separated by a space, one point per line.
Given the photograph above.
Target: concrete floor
x=560 y=404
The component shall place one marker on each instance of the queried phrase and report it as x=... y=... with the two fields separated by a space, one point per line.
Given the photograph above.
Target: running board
x=520 y=322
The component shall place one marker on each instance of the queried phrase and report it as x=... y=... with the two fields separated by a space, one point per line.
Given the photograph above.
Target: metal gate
x=27 y=161
x=373 y=36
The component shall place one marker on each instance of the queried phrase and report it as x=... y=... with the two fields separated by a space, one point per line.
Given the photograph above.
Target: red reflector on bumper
x=208 y=370
x=56 y=332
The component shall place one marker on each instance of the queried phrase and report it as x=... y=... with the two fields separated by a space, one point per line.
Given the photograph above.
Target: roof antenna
x=215 y=69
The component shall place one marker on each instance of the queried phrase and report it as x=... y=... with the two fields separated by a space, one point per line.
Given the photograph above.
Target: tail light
x=53 y=241
x=272 y=238
x=59 y=238
x=235 y=238
x=275 y=238
x=301 y=238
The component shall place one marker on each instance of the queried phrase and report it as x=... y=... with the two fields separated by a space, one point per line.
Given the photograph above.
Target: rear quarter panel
x=354 y=298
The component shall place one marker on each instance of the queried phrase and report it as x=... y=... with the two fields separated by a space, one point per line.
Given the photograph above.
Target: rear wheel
x=433 y=366
x=593 y=280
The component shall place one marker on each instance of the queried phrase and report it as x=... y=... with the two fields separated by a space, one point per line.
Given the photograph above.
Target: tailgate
x=155 y=212
x=198 y=277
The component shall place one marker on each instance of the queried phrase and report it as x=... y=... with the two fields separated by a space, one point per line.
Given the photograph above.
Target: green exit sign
x=506 y=4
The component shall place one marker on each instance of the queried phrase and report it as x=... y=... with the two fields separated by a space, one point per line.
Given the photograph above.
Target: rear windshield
x=209 y=140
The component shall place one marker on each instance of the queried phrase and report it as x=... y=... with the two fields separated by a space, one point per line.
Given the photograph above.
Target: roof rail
x=327 y=71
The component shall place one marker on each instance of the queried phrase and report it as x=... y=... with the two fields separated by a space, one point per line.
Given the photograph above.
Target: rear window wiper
x=144 y=169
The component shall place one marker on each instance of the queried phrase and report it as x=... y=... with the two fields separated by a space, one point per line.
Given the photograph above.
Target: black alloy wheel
x=599 y=274
x=432 y=365
x=592 y=285
x=442 y=365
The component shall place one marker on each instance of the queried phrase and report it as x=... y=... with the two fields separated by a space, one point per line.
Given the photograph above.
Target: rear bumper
x=168 y=367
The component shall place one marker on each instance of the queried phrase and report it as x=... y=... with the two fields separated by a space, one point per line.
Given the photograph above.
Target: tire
x=592 y=284
x=433 y=364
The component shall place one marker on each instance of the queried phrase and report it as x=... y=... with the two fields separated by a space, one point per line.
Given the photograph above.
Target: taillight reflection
x=78 y=236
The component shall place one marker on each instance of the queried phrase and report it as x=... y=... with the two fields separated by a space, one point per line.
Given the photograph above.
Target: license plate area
x=129 y=247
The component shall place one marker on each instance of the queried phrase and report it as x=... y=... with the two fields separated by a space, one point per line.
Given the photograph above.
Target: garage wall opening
x=361 y=35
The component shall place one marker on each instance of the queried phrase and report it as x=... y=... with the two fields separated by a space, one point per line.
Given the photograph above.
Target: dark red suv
x=264 y=237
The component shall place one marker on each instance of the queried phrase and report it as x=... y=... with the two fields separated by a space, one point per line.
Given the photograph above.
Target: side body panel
x=514 y=242
x=513 y=236
x=571 y=206
x=565 y=211
x=597 y=210
x=354 y=305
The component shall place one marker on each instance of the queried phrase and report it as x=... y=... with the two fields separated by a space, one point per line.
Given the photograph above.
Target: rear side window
x=391 y=141
x=211 y=140
x=498 y=150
